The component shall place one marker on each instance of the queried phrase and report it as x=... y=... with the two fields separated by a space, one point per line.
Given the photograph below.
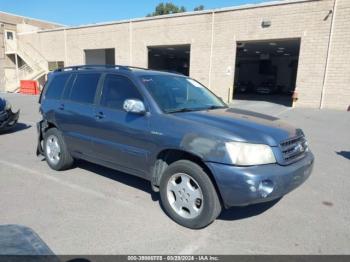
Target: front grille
x=294 y=149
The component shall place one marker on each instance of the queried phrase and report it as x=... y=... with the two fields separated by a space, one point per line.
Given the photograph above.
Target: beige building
x=268 y=51
x=14 y=60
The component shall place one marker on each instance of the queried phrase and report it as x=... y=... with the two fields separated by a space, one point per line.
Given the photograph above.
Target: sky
x=79 y=12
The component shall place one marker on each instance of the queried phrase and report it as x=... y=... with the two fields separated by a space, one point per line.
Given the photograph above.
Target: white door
x=10 y=41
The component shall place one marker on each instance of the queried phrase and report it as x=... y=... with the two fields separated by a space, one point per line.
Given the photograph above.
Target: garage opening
x=266 y=70
x=100 y=56
x=174 y=58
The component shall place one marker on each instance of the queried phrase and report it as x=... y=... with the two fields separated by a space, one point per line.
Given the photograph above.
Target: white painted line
x=284 y=111
x=25 y=170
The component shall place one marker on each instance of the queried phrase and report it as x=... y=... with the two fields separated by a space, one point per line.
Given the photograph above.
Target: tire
x=195 y=184
x=63 y=159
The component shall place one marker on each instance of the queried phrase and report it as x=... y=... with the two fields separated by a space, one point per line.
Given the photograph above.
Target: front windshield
x=180 y=94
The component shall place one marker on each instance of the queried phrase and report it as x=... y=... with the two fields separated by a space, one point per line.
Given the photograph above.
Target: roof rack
x=137 y=67
x=90 y=67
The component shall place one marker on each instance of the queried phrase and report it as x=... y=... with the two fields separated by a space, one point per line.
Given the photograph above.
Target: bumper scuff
x=241 y=186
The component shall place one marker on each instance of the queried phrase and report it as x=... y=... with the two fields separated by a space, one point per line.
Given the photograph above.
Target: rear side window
x=84 y=88
x=68 y=88
x=55 y=88
x=116 y=89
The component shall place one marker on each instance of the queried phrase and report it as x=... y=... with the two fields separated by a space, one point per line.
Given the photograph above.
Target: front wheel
x=188 y=195
x=56 y=152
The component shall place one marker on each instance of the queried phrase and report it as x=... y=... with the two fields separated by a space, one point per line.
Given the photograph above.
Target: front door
x=122 y=138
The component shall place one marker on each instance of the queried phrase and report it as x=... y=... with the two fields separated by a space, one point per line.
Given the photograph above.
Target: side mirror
x=134 y=106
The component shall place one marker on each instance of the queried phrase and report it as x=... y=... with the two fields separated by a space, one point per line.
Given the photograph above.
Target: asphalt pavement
x=96 y=210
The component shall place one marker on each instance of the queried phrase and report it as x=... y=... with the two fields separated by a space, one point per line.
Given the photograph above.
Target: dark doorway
x=266 y=70
x=175 y=58
x=100 y=56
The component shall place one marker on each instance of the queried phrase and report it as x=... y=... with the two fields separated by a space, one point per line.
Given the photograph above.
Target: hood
x=2 y=104
x=243 y=125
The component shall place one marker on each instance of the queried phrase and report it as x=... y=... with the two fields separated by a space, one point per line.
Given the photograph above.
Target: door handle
x=99 y=115
x=61 y=107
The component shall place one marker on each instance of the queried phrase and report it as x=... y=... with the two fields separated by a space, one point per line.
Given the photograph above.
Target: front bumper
x=241 y=186
x=8 y=119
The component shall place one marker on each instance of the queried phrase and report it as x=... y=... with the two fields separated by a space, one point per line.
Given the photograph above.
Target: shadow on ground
x=283 y=100
x=235 y=213
x=345 y=154
x=126 y=179
x=18 y=127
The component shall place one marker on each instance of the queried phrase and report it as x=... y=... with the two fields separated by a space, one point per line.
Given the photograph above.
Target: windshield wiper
x=186 y=109
x=215 y=107
x=181 y=110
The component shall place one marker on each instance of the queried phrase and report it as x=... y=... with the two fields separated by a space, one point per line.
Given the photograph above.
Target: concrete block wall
x=111 y=36
x=2 y=60
x=337 y=81
x=16 y=19
x=299 y=20
x=213 y=38
x=194 y=30
x=10 y=22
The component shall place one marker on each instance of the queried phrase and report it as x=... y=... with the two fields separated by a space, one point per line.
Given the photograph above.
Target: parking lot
x=95 y=210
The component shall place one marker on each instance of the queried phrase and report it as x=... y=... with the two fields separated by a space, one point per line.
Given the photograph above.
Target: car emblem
x=299 y=148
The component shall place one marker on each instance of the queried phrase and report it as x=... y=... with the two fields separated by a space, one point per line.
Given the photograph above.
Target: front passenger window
x=116 y=89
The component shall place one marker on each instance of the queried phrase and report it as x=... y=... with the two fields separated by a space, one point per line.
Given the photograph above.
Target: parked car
x=169 y=129
x=23 y=242
x=244 y=87
x=266 y=88
x=8 y=118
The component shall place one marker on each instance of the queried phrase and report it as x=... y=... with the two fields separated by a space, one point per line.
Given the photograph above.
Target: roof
x=193 y=13
x=34 y=19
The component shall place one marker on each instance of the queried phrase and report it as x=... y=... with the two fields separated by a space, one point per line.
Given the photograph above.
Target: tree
x=199 y=8
x=167 y=8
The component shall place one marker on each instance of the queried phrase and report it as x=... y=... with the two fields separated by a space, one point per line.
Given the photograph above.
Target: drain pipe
x=211 y=49
x=130 y=44
x=330 y=41
x=65 y=47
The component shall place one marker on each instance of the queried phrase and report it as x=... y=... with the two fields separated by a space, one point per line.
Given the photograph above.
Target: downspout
x=330 y=41
x=65 y=48
x=17 y=71
x=211 y=48
x=130 y=43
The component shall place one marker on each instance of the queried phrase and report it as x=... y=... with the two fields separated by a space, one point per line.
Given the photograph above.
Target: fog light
x=265 y=188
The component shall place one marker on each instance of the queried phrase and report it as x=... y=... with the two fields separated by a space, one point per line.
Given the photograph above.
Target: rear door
x=122 y=138
x=75 y=115
x=50 y=98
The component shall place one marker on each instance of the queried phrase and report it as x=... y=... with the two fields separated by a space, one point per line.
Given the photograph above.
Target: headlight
x=7 y=105
x=245 y=154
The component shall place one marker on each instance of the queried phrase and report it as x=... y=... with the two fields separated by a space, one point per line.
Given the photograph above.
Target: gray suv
x=200 y=154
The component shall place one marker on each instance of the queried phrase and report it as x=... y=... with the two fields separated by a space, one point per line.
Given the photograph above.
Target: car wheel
x=56 y=152
x=188 y=195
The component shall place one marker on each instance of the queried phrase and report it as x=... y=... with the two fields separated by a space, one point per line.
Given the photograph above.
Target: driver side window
x=116 y=89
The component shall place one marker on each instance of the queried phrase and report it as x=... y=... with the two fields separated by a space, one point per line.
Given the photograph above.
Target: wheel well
x=169 y=156
x=43 y=126
x=50 y=125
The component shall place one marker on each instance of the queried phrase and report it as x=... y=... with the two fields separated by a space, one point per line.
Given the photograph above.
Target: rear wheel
x=56 y=152
x=188 y=195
